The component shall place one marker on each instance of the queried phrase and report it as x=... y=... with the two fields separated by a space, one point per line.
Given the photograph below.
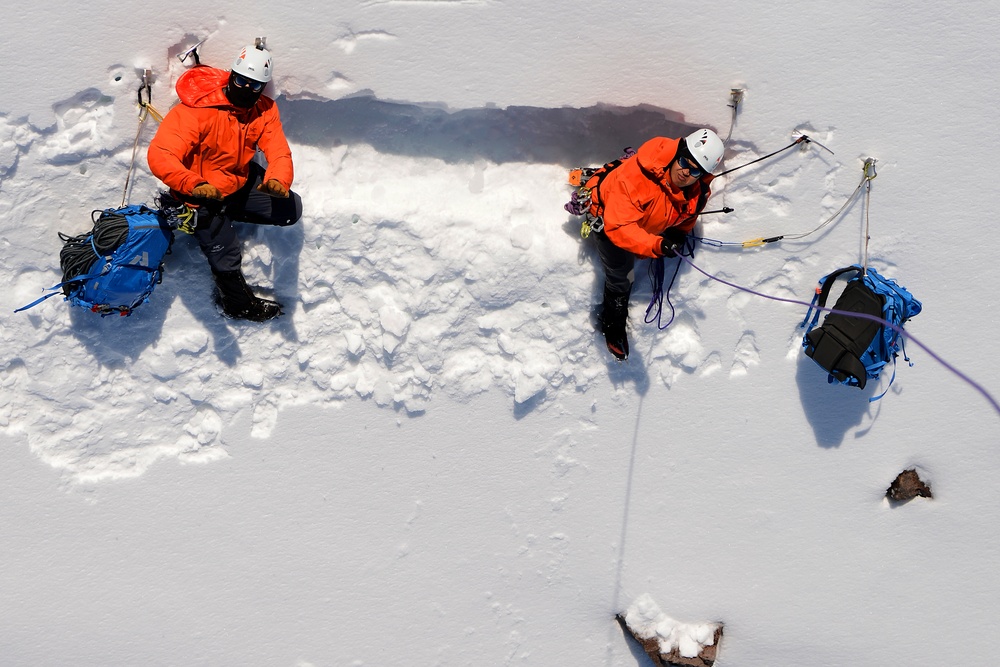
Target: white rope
x=869 y=174
x=143 y=112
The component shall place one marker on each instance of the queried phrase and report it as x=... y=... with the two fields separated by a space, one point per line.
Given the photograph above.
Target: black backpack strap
x=601 y=174
x=824 y=292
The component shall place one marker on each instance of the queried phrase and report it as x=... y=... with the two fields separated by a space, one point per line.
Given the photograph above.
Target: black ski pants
x=215 y=232
x=619 y=265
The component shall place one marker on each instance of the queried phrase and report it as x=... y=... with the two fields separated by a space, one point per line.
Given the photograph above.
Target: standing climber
x=648 y=204
x=204 y=152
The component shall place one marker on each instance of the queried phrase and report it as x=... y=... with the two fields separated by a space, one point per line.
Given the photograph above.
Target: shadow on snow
x=568 y=136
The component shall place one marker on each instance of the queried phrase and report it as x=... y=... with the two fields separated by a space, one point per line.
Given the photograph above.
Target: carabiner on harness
x=591 y=223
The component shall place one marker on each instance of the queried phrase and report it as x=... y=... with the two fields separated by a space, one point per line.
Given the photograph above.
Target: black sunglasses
x=693 y=168
x=241 y=81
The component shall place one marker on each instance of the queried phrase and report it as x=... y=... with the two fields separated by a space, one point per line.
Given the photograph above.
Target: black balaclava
x=244 y=98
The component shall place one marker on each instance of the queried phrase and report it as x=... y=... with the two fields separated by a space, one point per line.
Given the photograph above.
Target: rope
x=802 y=138
x=869 y=166
x=135 y=147
x=656 y=274
x=906 y=335
x=157 y=116
x=837 y=214
x=145 y=109
x=80 y=252
x=760 y=241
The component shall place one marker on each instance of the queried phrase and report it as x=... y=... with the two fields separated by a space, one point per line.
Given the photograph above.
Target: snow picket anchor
x=869 y=168
x=735 y=98
x=146 y=105
x=145 y=86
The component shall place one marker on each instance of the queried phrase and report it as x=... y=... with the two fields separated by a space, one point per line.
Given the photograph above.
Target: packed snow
x=430 y=458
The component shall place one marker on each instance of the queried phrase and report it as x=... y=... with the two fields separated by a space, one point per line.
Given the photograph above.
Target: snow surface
x=430 y=459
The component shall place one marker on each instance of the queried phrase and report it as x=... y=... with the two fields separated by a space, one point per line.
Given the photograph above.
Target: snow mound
x=647 y=621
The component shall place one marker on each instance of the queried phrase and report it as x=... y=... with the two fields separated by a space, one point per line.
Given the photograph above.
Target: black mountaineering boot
x=238 y=300
x=613 y=319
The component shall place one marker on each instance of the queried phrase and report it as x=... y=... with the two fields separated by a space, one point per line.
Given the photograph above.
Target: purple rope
x=992 y=401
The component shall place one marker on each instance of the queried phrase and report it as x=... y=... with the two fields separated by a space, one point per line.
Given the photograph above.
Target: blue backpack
x=115 y=267
x=854 y=349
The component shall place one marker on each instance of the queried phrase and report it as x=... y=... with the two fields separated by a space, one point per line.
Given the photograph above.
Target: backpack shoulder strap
x=602 y=173
x=827 y=282
x=823 y=293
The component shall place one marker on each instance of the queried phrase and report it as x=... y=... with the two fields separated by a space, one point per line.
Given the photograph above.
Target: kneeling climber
x=204 y=150
x=648 y=204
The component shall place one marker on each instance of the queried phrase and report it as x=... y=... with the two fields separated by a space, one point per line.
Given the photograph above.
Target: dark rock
x=907 y=486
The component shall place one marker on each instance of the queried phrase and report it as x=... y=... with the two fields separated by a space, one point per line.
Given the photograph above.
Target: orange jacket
x=205 y=139
x=638 y=201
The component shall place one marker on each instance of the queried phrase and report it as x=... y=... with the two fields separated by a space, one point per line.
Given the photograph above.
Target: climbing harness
x=581 y=200
x=179 y=215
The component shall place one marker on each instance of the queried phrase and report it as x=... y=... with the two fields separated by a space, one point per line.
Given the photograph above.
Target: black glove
x=673 y=240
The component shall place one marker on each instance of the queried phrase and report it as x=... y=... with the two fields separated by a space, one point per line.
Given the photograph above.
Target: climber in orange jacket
x=648 y=205
x=204 y=152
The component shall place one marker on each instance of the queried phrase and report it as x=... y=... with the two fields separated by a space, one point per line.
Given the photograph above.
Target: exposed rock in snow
x=908 y=486
x=670 y=642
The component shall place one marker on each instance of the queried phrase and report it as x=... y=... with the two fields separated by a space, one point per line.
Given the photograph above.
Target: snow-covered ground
x=430 y=459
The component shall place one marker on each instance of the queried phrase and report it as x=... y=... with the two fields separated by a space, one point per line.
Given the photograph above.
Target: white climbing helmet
x=706 y=148
x=254 y=62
